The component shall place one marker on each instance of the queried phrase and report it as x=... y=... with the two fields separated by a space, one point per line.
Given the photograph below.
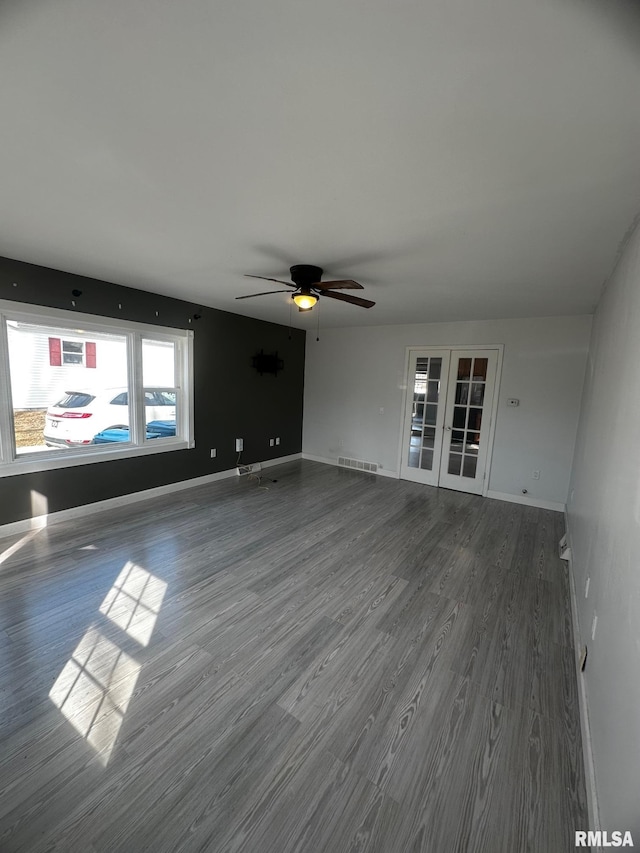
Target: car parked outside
x=75 y=419
x=155 y=429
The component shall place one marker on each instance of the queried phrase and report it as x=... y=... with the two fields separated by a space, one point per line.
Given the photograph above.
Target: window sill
x=38 y=461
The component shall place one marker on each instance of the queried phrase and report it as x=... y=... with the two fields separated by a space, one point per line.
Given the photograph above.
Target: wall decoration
x=267 y=362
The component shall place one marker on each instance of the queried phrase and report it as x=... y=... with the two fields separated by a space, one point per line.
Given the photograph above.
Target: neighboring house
x=46 y=362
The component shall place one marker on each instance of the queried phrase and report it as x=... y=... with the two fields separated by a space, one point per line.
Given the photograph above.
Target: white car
x=75 y=419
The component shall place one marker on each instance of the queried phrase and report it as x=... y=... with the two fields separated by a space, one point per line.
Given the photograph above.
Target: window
x=74 y=389
x=72 y=352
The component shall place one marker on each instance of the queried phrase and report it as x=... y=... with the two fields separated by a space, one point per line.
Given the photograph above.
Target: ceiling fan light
x=305 y=300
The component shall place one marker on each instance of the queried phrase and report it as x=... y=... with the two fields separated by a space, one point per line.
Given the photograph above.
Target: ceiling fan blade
x=348 y=284
x=266 y=293
x=346 y=297
x=264 y=278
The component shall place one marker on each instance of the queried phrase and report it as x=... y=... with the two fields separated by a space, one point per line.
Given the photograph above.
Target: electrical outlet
x=213 y=453
x=239 y=444
x=594 y=625
x=586 y=588
x=272 y=441
x=535 y=475
x=278 y=440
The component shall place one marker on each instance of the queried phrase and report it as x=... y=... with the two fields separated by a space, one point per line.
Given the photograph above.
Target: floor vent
x=357 y=464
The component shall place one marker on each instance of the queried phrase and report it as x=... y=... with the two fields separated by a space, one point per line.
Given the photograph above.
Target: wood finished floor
x=333 y=663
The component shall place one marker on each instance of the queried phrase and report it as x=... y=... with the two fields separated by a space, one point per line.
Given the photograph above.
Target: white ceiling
x=462 y=159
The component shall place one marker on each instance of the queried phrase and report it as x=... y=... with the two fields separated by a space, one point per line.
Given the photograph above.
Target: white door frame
x=494 y=404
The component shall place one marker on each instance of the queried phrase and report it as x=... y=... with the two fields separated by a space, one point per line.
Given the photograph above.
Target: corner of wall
x=583 y=703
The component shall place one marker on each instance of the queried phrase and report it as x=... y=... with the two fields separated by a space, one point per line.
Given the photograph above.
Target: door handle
x=448 y=428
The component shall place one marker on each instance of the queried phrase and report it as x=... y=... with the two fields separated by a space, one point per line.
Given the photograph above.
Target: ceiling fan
x=305 y=279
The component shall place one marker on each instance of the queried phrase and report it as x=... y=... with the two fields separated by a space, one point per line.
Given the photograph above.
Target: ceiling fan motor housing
x=304 y=275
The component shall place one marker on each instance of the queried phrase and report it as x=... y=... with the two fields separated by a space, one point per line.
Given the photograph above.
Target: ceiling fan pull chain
x=290 y=307
x=318 y=325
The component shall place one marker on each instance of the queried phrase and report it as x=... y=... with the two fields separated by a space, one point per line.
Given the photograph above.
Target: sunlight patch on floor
x=9 y=552
x=94 y=688
x=134 y=601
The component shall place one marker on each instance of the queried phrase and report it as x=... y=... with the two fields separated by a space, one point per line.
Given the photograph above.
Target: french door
x=448 y=417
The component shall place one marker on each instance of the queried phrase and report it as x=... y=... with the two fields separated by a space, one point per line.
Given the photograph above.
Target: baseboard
x=382 y=472
x=585 y=728
x=500 y=496
x=526 y=500
x=270 y=463
x=311 y=458
x=40 y=521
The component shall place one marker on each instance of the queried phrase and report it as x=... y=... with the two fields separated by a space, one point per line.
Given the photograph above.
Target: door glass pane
x=429 y=437
x=469 y=400
x=433 y=391
x=477 y=394
x=427 y=460
x=424 y=414
x=471 y=446
x=457 y=440
x=455 y=461
x=469 y=466
x=464 y=369
x=475 y=420
x=462 y=393
x=420 y=379
x=480 y=369
x=459 y=417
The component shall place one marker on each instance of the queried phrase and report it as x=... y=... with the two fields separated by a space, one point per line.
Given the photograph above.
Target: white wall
x=352 y=373
x=604 y=527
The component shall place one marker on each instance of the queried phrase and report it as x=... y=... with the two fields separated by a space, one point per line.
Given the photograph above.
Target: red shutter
x=90 y=353
x=55 y=352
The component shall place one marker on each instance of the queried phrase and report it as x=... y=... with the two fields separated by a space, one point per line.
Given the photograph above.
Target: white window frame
x=46 y=460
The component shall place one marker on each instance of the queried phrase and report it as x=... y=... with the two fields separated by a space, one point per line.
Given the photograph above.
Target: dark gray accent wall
x=231 y=398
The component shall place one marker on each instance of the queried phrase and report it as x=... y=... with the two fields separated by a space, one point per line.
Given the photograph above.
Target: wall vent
x=357 y=464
